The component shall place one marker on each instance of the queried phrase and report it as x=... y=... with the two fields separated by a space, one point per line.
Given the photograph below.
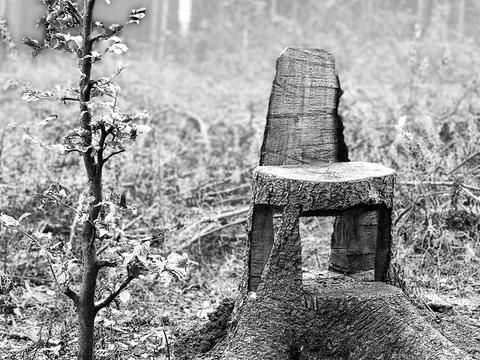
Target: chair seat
x=328 y=187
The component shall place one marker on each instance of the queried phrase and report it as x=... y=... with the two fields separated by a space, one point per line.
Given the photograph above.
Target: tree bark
x=86 y=305
x=153 y=19
x=163 y=28
x=281 y=313
x=337 y=318
x=331 y=318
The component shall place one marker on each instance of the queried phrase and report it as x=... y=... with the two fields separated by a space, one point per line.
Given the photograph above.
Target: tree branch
x=67 y=98
x=474 y=197
x=105 y=263
x=112 y=296
x=72 y=295
x=68 y=292
x=104 y=35
x=69 y=151
x=112 y=154
x=102 y=249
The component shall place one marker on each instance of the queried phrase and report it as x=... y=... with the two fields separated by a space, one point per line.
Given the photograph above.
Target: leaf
x=11 y=84
x=78 y=40
x=33 y=95
x=143 y=129
x=177 y=265
x=48 y=119
x=96 y=56
x=115 y=28
x=103 y=232
x=118 y=48
x=108 y=2
x=125 y=296
x=62 y=193
x=9 y=221
x=115 y=39
x=59 y=149
x=166 y=278
x=136 y=15
x=31 y=42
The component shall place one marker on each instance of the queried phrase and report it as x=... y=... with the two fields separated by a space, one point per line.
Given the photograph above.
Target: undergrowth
x=411 y=102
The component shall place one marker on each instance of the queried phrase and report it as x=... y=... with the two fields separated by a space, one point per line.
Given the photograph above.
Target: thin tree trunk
x=461 y=18
x=420 y=11
x=184 y=16
x=163 y=27
x=153 y=18
x=86 y=304
x=3 y=8
x=273 y=9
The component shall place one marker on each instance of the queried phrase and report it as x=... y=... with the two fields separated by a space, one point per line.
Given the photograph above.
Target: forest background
x=202 y=70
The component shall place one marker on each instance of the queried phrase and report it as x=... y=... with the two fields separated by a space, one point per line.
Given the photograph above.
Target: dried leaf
x=45 y=121
x=9 y=221
x=118 y=48
x=124 y=296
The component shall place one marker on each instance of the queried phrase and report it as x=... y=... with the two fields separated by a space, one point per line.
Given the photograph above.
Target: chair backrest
x=303 y=126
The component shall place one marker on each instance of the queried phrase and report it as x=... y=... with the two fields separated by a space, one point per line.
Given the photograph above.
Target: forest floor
x=189 y=179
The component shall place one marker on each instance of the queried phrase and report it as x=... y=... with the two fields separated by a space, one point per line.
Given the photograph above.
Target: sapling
x=103 y=133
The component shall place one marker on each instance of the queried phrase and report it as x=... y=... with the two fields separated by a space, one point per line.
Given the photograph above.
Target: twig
x=105 y=263
x=459 y=101
x=112 y=296
x=240 y=211
x=66 y=98
x=230 y=190
x=67 y=292
x=465 y=186
x=474 y=197
x=431 y=183
x=166 y=342
x=402 y=214
x=231 y=200
x=112 y=154
x=464 y=162
x=126 y=227
x=437 y=183
x=105 y=247
x=210 y=231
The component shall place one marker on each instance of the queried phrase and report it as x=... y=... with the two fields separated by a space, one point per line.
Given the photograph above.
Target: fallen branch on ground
x=436 y=183
x=209 y=231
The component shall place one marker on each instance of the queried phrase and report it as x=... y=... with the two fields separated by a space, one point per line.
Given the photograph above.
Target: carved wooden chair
x=304 y=171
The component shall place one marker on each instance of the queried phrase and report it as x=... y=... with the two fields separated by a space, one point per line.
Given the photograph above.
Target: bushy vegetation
x=411 y=102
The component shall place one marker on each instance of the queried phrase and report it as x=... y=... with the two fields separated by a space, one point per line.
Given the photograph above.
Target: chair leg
x=383 y=248
x=282 y=276
x=260 y=240
x=354 y=241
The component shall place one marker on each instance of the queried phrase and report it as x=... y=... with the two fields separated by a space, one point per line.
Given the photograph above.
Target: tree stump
x=280 y=314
